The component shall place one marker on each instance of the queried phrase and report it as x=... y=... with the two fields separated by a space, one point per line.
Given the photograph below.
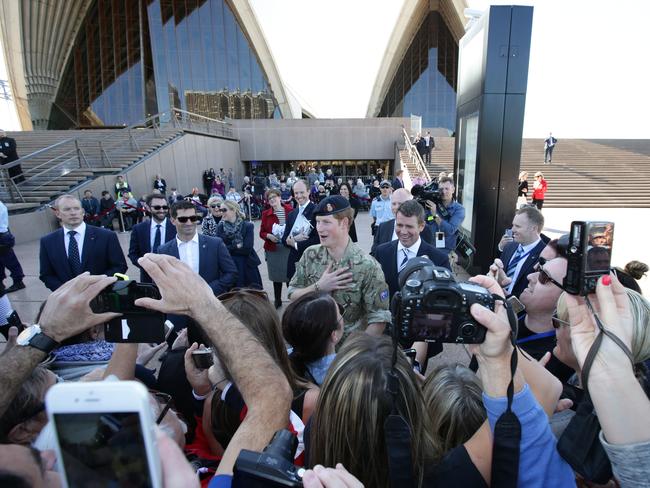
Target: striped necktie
x=405 y=260
x=512 y=266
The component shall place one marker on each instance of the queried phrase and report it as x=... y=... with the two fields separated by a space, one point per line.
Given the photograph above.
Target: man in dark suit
x=386 y=231
x=520 y=253
x=9 y=154
x=76 y=247
x=207 y=256
x=393 y=255
x=398 y=182
x=149 y=235
x=300 y=231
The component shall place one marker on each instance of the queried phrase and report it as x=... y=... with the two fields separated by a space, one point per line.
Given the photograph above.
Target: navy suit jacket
x=521 y=280
x=101 y=254
x=216 y=266
x=386 y=254
x=141 y=243
x=295 y=255
x=385 y=234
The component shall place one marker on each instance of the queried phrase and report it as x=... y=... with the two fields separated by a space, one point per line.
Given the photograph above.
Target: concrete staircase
x=53 y=162
x=584 y=173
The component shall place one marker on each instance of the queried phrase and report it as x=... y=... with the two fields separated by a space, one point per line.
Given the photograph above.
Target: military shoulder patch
x=383 y=296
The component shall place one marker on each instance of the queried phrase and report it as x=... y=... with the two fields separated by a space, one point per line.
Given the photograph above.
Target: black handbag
x=579 y=444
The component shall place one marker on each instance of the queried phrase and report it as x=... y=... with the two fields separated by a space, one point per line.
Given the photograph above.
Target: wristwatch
x=34 y=337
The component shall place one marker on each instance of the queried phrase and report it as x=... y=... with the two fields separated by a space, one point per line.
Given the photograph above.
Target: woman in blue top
x=313 y=326
x=237 y=235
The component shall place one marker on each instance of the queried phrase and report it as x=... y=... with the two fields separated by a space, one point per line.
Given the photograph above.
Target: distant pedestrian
x=522 y=189
x=429 y=145
x=9 y=154
x=549 y=144
x=160 y=184
x=8 y=257
x=539 y=190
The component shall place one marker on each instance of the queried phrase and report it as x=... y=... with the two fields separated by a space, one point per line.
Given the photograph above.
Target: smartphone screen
x=599 y=247
x=103 y=449
x=508 y=233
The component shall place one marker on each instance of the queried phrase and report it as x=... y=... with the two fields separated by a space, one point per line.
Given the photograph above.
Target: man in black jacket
x=9 y=154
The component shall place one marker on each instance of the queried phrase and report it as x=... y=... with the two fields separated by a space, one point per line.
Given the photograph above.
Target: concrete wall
x=318 y=139
x=181 y=163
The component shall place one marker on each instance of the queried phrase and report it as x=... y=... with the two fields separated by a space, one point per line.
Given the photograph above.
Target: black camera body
x=429 y=192
x=137 y=324
x=589 y=254
x=272 y=467
x=433 y=307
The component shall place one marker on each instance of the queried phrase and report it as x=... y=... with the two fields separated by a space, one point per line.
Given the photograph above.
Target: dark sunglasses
x=557 y=323
x=214 y=206
x=160 y=207
x=243 y=291
x=191 y=218
x=544 y=277
x=223 y=210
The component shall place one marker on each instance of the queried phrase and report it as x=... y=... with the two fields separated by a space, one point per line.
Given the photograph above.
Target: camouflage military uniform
x=365 y=301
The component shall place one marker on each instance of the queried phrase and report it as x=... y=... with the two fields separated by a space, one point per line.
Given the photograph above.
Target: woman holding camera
x=271 y=230
x=237 y=235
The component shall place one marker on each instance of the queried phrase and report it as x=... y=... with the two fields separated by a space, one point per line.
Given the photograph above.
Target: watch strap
x=43 y=343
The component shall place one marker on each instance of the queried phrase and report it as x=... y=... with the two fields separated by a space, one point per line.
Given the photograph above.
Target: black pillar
x=492 y=80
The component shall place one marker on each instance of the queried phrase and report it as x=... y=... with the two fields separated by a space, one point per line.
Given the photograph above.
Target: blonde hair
x=539 y=173
x=348 y=422
x=454 y=401
x=214 y=199
x=523 y=175
x=640 y=310
x=233 y=206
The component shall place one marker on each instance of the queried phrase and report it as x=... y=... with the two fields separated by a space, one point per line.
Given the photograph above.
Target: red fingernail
x=607 y=280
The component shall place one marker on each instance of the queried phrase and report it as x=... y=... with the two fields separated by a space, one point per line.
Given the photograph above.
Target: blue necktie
x=512 y=266
x=73 y=254
x=404 y=261
x=156 y=239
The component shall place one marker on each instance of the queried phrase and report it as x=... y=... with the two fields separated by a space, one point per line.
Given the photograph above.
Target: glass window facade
x=425 y=82
x=134 y=58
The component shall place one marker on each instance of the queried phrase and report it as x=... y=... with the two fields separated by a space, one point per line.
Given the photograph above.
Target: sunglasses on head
x=160 y=207
x=557 y=322
x=191 y=218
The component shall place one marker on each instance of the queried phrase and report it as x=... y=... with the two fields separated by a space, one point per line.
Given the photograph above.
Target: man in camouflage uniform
x=340 y=267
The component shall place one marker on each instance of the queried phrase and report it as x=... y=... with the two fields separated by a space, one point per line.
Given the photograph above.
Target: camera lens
x=467 y=330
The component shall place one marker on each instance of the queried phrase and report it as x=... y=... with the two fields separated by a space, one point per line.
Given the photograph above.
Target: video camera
x=589 y=254
x=137 y=324
x=429 y=192
x=432 y=307
x=270 y=468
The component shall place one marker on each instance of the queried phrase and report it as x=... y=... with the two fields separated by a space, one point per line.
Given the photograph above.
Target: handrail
x=22 y=159
x=198 y=116
x=414 y=155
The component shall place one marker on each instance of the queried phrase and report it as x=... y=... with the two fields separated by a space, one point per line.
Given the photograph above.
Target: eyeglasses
x=165 y=402
x=557 y=323
x=544 y=277
x=214 y=206
x=160 y=207
x=243 y=291
x=191 y=218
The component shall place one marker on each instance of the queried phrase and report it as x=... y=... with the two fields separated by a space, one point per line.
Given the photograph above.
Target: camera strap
x=507 y=429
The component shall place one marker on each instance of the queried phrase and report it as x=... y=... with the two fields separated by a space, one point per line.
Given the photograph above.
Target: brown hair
x=411 y=208
x=446 y=179
x=534 y=215
x=636 y=269
x=272 y=192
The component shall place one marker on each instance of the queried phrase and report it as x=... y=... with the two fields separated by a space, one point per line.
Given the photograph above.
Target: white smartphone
x=104 y=434
x=508 y=233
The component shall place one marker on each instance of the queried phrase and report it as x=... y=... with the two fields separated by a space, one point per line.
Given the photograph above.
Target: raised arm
x=261 y=382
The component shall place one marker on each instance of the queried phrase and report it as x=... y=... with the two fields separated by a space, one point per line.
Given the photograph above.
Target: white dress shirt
x=527 y=249
x=188 y=252
x=152 y=232
x=79 y=237
x=412 y=251
x=4 y=218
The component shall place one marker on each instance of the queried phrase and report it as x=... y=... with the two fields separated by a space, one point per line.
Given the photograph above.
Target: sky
x=587 y=74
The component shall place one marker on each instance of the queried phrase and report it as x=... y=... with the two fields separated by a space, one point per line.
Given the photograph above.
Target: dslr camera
x=270 y=468
x=432 y=306
x=589 y=255
x=136 y=324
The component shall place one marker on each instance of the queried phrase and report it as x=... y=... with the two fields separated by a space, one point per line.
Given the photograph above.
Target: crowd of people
x=364 y=411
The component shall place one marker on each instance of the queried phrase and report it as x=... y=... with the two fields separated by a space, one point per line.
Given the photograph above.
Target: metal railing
x=91 y=153
x=414 y=155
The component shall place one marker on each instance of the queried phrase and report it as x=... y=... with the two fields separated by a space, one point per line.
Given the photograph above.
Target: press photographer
x=444 y=214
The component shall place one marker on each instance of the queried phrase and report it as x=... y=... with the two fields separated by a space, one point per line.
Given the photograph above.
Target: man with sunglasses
x=149 y=235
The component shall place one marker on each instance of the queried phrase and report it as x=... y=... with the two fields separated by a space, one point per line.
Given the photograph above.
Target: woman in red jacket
x=271 y=230
x=539 y=189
